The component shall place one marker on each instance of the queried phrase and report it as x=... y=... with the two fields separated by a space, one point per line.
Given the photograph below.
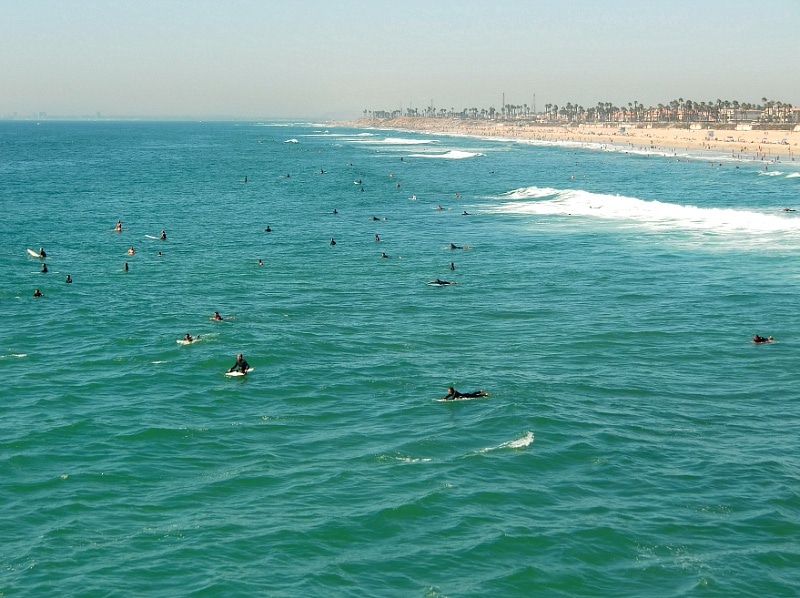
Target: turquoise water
x=635 y=442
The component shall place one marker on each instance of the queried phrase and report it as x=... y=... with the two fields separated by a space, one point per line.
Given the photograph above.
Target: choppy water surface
x=634 y=441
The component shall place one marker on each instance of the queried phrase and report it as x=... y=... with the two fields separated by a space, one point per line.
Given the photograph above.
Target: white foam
x=651 y=214
x=291 y=141
x=793 y=175
x=451 y=155
x=521 y=442
x=397 y=141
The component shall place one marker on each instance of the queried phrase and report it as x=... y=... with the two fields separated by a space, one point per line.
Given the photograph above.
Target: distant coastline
x=749 y=142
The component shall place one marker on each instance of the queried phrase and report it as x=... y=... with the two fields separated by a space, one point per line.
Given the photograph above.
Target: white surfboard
x=238 y=373
x=33 y=253
x=486 y=396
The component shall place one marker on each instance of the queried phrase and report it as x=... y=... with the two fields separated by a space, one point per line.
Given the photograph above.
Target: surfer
x=465 y=213
x=240 y=366
x=125 y=266
x=163 y=236
x=383 y=255
x=761 y=339
x=268 y=229
x=37 y=293
x=216 y=317
x=68 y=280
x=260 y=262
x=441 y=282
x=44 y=268
x=452 y=266
x=332 y=243
x=43 y=254
x=452 y=394
x=131 y=250
x=118 y=227
x=453 y=246
x=377 y=238
x=334 y=211
x=438 y=208
x=188 y=338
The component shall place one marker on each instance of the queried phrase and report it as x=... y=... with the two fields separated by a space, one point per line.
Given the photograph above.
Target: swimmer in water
x=163 y=236
x=332 y=243
x=68 y=280
x=465 y=213
x=43 y=254
x=268 y=229
x=37 y=293
x=438 y=207
x=452 y=394
x=452 y=266
x=188 y=338
x=260 y=263
x=44 y=268
x=453 y=246
x=216 y=317
x=334 y=211
x=761 y=339
x=125 y=266
x=131 y=250
x=118 y=226
x=383 y=255
x=377 y=238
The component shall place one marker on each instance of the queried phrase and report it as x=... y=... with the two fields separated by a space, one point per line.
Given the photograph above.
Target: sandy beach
x=754 y=144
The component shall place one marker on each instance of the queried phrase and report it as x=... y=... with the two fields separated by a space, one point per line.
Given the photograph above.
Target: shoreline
x=752 y=145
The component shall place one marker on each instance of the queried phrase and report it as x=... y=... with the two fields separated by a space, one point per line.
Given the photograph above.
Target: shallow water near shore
x=634 y=441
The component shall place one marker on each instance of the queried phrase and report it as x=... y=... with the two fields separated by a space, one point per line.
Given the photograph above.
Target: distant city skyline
x=306 y=59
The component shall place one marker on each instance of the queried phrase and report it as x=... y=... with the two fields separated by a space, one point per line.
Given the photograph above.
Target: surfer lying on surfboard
x=453 y=394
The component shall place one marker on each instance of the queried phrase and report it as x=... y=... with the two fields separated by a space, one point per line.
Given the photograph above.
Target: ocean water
x=634 y=443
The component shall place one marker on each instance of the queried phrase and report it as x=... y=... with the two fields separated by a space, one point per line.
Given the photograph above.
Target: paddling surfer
x=453 y=394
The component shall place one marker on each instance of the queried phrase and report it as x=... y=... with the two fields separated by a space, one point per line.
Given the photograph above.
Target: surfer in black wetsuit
x=68 y=280
x=453 y=394
x=241 y=365
x=37 y=293
x=163 y=236
x=761 y=339
x=454 y=246
x=44 y=268
x=216 y=316
x=43 y=254
x=332 y=243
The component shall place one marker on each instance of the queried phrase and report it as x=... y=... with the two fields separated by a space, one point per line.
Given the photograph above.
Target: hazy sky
x=335 y=58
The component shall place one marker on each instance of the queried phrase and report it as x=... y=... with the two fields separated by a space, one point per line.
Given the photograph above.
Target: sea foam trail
x=396 y=141
x=451 y=155
x=651 y=213
x=521 y=442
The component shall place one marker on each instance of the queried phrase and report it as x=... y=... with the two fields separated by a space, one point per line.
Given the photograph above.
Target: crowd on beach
x=753 y=144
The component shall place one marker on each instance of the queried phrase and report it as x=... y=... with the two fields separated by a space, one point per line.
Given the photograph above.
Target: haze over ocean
x=635 y=442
